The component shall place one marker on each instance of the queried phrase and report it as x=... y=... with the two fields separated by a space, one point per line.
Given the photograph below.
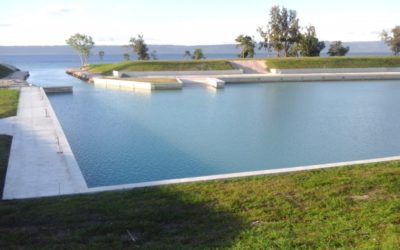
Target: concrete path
x=41 y=161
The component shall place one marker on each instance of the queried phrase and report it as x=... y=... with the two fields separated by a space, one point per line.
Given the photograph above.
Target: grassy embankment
x=4 y=71
x=350 y=208
x=106 y=69
x=8 y=107
x=332 y=62
x=5 y=144
x=8 y=102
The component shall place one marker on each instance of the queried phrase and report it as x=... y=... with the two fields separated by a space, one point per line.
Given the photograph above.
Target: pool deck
x=41 y=160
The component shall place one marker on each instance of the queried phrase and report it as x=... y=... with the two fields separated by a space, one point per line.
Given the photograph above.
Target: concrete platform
x=132 y=85
x=41 y=160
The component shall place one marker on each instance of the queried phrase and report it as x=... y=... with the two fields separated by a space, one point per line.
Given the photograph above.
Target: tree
x=247 y=45
x=337 y=49
x=309 y=44
x=392 y=40
x=198 y=54
x=101 y=55
x=153 y=55
x=187 y=54
x=126 y=56
x=83 y=44
x=139 y=47
x=283 y=31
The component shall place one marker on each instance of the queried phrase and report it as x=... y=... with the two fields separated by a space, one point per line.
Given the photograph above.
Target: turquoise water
x=121 y=137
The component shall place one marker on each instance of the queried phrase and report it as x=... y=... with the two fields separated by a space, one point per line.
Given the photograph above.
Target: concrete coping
x=240 y=175
x=176 y=73
x=335 y=70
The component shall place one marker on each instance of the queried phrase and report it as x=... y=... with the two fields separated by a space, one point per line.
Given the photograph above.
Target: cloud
x=5 y=25
x=61 y=9
x=376 y=32
x=107 y=39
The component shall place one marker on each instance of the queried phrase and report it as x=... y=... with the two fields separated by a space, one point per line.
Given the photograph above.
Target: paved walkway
x=41 y=161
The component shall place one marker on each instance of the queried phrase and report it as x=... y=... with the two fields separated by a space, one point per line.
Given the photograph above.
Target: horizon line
x=183 y=45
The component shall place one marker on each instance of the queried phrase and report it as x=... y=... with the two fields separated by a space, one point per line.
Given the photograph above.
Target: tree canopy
x=198 y=54
x=337 y=49
x=82 y=44
x=139 y=47
x=101 y=55
x=392 y=40
x=247 y=45
x=126 y=56
x=309 y=44
x=282 y=32
x=187 y=54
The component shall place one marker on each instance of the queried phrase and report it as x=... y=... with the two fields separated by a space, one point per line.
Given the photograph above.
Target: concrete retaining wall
x=176 y=73
x=215 y=82
x=334 y=70
x=131 y=85
x=309 y=77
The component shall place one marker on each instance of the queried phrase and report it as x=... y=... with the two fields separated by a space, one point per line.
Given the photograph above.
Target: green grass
x=332 y=62
x=4 y=71
x=8 y=102
x=343 y=208
x=106 y=69
x=5 y=144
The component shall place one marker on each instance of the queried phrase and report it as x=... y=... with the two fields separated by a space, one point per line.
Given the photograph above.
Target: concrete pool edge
x=239 y=175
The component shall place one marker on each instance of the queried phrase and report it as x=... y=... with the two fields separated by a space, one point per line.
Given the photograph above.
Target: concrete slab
x=41 y=161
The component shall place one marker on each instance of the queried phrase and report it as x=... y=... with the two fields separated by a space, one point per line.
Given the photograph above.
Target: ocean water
x=121 y=137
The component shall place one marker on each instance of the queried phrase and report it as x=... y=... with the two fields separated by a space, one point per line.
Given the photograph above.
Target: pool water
x=121 y=137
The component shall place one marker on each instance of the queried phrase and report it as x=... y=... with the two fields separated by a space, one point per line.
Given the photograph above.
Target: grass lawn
x=8 y=102
x=332 y=62
x=4 y=71
x=106 y=69
x=349 y=208
x=5 y=144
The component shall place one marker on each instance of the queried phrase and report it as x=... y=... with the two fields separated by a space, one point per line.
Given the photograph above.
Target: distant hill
x=356 y=48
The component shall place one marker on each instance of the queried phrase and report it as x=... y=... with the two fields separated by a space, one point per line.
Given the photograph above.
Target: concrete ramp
x=250 y=66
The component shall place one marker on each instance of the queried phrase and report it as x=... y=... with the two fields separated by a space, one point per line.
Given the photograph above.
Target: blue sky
x=184 y=22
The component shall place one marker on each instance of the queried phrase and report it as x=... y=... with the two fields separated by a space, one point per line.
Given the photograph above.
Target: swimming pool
x=122 y=137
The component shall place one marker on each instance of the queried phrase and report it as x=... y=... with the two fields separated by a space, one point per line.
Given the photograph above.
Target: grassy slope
x=8 y=102
x=5 y=144
x=333 y=62
x=354 y=207
x=107 y=69
x=4 y=71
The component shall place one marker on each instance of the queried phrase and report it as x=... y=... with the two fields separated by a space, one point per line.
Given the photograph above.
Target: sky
x=185 y=22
